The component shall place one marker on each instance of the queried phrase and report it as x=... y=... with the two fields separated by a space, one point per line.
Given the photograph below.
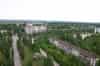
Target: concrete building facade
x=32 y=28
x=97 y=30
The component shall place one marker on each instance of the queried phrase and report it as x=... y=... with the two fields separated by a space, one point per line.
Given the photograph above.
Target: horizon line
x=48 y=21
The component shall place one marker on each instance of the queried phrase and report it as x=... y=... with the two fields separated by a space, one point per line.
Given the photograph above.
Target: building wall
x=97 y=29
x=29 y=28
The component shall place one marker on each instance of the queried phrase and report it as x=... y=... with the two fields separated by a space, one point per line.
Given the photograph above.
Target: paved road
x=17 y=61
x=76 y=51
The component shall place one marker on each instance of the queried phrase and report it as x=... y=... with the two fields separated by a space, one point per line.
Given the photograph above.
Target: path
x=17 y=61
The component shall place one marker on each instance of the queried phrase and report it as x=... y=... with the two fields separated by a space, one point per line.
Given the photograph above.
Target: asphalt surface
x=17 y=60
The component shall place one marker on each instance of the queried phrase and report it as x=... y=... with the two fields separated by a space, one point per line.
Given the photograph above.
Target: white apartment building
x=97 y=29
x=85 y=35
x=30 y=28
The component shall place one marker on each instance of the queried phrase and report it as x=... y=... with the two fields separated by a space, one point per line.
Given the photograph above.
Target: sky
x=63 y=10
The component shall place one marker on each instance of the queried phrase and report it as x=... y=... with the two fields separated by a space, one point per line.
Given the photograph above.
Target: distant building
x=85 y=35
x=17 y=24
x=33 y=40
x=97 y=30
x=30 y=28
x=74 y=35
x=82 y=35
x=3 y=31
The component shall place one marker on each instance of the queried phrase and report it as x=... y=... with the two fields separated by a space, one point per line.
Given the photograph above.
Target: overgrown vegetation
x=6 y=58
x=62 y=58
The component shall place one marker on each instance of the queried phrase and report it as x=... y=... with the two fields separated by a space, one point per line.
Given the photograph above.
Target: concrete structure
x=82 y=35
x=28 y=28
x=97 y=29
x=88 y=57
x=33 y=40
x=74 y=36
x=3 y=31
x=85 y=35
x=32 y=28
x=17 y=24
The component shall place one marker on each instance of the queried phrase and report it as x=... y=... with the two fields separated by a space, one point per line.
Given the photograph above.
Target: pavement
x=17 y=60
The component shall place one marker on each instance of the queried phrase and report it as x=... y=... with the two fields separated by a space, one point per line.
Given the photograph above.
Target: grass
x=27 y=56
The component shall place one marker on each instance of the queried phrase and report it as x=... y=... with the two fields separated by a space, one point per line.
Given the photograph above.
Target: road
x=76 y=51
x=17 y=60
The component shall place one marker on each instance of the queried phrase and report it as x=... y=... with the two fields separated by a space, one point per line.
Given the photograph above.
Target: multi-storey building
x=33 y=28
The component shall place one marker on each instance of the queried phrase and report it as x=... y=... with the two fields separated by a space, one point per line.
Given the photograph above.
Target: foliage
x=62 y=58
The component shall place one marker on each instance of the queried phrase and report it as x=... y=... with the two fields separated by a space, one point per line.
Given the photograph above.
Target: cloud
x=65 y=10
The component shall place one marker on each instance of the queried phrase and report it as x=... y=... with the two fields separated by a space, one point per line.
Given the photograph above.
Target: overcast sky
x=63 y=10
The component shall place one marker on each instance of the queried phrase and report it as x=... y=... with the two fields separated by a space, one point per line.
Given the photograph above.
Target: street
x=17 y=61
